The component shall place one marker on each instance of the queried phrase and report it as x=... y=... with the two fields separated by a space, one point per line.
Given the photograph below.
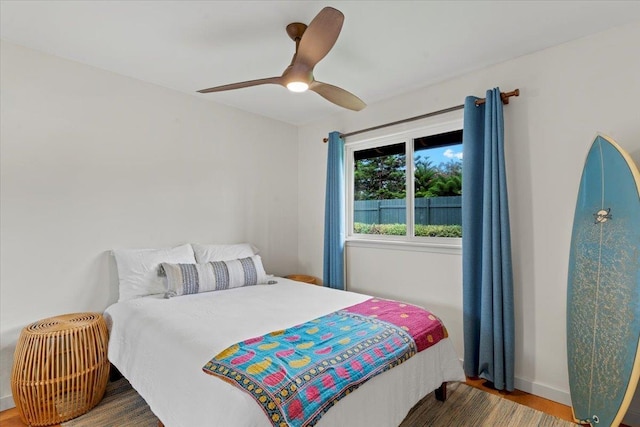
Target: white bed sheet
x=160 y=345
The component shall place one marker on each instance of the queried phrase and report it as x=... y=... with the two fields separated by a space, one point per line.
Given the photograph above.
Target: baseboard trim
x=543 y=390
x=6 y=402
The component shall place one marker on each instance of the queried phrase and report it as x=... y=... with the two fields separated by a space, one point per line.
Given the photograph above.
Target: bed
x=160 y=345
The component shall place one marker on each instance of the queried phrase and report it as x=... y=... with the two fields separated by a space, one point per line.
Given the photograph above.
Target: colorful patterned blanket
x=298 y=373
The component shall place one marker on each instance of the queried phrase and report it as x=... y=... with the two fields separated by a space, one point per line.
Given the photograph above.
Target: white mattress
x=160 y=345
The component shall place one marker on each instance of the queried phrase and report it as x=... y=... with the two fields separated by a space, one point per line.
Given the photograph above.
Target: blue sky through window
x=441 y=154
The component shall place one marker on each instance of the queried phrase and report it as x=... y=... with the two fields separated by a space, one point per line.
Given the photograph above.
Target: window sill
x=451 y=246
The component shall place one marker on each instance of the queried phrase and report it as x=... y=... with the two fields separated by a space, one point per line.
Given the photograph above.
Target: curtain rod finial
x=325 y=140
x=505 y=96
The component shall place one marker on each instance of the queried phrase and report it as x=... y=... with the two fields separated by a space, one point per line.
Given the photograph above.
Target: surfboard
x=603 y=293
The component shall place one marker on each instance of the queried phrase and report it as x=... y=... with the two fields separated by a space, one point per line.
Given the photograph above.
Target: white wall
x=568 y=94
x=91 y=161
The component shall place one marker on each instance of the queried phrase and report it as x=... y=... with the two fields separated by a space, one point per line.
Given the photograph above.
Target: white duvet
x=160 y=345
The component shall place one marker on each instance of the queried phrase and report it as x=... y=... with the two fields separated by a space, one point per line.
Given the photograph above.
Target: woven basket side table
x=60 y=368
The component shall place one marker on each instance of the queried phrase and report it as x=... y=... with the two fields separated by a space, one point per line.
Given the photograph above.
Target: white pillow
x=138 y=269
x=209 y=253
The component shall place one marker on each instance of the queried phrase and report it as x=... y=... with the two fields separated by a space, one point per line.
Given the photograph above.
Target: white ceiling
x=386 y=48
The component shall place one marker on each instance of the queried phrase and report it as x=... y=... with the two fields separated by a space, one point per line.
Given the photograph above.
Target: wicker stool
x=60 y=368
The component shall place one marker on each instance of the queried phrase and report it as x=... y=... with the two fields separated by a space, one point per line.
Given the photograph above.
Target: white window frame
x=409 y=241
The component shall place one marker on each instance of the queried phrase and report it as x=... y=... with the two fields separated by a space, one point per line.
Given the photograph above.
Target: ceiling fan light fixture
x=297 y=86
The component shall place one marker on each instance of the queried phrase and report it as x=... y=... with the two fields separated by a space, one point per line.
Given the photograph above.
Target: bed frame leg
x=441 y=392
x=160 y=424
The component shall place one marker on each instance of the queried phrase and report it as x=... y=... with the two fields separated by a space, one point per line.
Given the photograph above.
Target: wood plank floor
x=11 y=418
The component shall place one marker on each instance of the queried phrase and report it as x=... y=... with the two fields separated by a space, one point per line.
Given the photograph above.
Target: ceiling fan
x=313 y=42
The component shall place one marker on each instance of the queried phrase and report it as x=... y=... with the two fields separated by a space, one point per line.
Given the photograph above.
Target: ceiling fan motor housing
x=297 y=73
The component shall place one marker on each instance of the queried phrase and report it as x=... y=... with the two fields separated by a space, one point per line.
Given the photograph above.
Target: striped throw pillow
x=184 y=279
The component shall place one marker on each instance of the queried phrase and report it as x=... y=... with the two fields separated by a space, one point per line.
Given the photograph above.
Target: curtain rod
x=503 y=95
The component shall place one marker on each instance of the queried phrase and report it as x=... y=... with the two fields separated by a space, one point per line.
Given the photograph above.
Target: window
x=406 y=187
x=379 y=190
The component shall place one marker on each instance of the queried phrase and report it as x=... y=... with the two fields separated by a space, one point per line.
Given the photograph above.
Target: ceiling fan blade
x=320 y=36
x=270 y=80
x=337 y=95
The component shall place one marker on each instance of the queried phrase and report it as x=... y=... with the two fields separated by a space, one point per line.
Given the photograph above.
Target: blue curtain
x=334 y=215
x=486 y=246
